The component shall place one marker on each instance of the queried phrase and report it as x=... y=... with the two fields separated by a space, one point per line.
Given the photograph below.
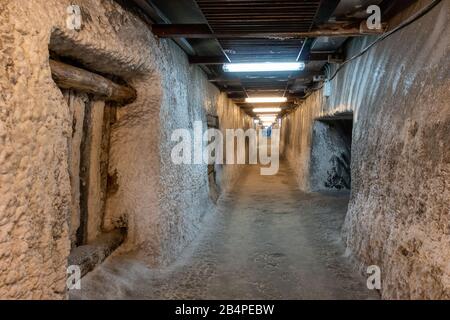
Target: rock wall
x=296 y=138
x=160 y=204
x=399 y=211
x=331 y=155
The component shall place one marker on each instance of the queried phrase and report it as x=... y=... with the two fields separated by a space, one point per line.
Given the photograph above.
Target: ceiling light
x=256 y=110
x=264 y=119
x=263 y=67
x=266 y=100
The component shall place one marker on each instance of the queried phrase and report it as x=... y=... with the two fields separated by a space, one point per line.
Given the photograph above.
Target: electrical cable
x=404 y=24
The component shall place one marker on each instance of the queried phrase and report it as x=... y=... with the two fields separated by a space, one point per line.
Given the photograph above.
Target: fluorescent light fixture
x=267 y=118
x=272 y=119
x=266 y=100
x=263 y=67
x=262 y=110
x=267 y=115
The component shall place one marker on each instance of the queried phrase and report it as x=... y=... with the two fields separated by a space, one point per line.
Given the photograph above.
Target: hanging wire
x=404 y=24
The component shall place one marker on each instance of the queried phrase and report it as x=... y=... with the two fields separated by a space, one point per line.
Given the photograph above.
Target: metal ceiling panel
x=260 y=16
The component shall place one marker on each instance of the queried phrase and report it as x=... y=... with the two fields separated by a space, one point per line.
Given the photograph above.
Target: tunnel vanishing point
x=348 y=103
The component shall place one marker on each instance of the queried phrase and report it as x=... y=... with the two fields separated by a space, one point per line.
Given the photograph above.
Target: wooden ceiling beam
x=218 y=60
x=70 y=77
x=263 y=78
x=208 y=60
x=203 y=31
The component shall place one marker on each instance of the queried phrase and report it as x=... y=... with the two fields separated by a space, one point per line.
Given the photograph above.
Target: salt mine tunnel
x=239 y=149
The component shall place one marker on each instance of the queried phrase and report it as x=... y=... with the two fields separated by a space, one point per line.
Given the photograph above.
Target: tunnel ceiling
x=260 y=16
x=193 y=22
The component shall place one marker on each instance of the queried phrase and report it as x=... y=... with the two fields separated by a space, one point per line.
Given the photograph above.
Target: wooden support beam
x=208 y=60
x=202 y=31
x=70 y=77
x=337 y=116
x=237 y=95
x=218 y=60
x=262 y=77
x=284 y=106
x=233 y=89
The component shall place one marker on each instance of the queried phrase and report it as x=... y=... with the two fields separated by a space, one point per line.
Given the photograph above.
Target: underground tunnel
x=224 y=150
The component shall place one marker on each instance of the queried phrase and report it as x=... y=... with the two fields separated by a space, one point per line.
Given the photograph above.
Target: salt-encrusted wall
x=159 y=203
x=399 y=211
x=229 y=118
x=331 y=155
x=182 y=189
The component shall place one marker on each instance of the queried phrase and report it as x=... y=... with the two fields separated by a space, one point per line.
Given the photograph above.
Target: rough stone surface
x=331 y=155
x=399 y=210
x=269 y=241
x=36 y=125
